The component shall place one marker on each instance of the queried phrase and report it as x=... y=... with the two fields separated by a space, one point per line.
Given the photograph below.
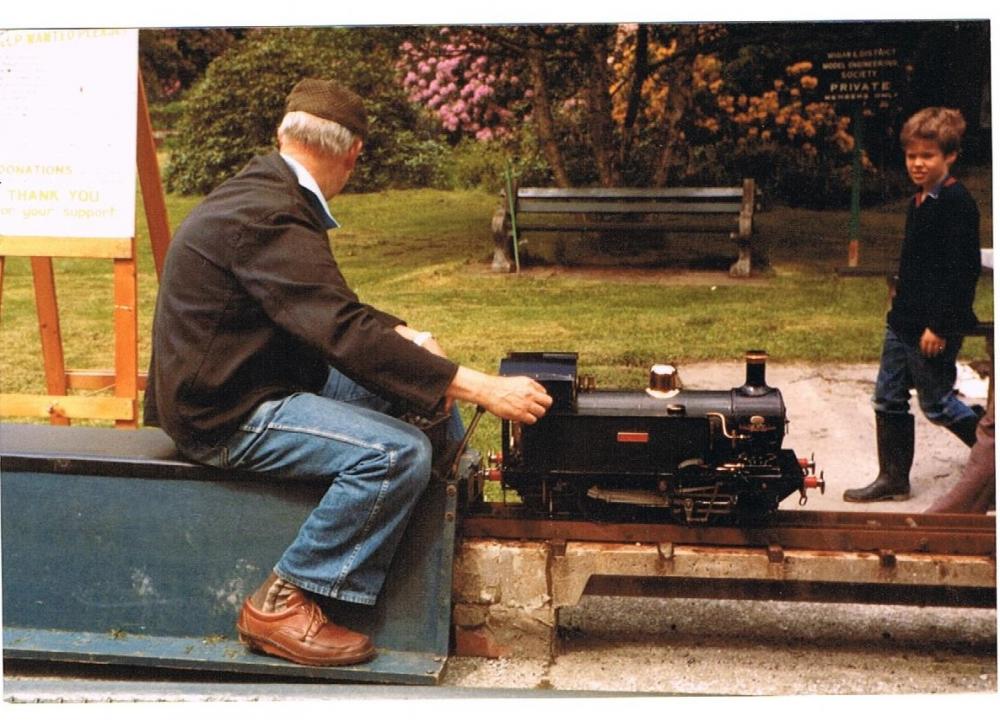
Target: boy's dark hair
x=937 y=124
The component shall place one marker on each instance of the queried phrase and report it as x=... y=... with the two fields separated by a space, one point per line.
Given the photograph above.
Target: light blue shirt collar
x=936 y=189
x=306 y=180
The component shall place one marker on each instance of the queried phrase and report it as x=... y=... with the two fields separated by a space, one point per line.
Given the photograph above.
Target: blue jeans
x=377 y=465
x=904 y=367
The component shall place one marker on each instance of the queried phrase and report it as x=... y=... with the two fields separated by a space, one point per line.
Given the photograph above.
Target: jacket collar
x=307 y=182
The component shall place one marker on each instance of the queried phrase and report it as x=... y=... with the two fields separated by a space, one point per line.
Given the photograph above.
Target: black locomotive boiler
x=661 y=453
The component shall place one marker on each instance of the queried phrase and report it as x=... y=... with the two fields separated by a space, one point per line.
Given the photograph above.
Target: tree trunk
x=541 y=113
x=599 y=122
x=677 y=102
x=635 y=92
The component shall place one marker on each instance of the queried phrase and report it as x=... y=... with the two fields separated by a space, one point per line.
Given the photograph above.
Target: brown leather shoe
x=301 y=632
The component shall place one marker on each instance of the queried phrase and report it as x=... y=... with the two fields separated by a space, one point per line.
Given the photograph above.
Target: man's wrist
x=468 y=385
x=422 y=338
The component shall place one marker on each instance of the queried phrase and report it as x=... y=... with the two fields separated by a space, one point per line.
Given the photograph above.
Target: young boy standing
x=932 y=306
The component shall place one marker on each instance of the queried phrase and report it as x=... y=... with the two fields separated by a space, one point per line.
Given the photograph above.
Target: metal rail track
x=879 y=532
x=847 y=557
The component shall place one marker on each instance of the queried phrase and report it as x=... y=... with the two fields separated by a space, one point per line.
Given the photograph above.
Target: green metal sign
x=859 y=79
x=860 y=76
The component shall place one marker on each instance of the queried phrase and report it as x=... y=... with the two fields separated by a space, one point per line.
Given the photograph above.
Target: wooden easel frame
x=59 y=405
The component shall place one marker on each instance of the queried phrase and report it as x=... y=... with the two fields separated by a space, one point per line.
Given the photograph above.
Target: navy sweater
x=939 y=266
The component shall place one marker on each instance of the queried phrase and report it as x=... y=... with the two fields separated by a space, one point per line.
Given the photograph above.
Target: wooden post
x=48 y=328
x=853 y=247
x=57 y=403
x=127 y=336
x=151 y=185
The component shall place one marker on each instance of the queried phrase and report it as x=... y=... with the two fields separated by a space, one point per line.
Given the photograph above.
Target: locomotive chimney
x=756 y=364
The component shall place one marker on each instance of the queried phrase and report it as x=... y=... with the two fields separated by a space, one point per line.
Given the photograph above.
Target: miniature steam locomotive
x=697 y=457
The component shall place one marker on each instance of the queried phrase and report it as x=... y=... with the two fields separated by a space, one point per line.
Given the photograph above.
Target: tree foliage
x=606 y=103
x=471 y=87
x=627 y=104
x=172 y=59
x=234 y=111
x=653 y=104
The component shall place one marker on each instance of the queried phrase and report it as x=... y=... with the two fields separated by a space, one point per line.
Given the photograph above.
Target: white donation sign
x=68 y=114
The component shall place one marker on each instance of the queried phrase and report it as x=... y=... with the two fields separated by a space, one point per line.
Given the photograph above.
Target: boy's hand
x=931 y=344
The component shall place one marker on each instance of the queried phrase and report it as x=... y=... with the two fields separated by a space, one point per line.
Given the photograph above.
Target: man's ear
x=354 y=152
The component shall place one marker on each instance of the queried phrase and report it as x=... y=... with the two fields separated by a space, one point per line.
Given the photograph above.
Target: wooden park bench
x=626 y=209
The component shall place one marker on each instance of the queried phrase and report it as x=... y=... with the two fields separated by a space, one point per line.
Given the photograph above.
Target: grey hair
x=305 y=128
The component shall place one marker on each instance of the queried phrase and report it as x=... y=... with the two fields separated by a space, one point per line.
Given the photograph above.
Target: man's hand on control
x=517 y=398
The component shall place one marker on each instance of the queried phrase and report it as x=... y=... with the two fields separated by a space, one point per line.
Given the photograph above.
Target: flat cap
x=331 y=101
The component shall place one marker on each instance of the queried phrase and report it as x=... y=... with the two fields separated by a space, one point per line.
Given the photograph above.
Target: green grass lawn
x=424 y=255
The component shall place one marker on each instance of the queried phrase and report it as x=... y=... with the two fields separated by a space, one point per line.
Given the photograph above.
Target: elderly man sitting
x=264 y=359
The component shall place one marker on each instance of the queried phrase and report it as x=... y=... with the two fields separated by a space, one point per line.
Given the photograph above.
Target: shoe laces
x=316 y=620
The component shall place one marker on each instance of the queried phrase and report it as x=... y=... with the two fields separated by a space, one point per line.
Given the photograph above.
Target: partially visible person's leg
x=377 y=467
x=976 y=489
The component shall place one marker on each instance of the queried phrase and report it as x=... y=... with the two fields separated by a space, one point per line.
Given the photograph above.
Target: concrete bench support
x=501 y=598
x=506 y=594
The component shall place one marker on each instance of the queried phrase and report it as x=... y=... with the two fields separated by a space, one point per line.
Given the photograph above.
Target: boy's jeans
x=378 y=467
x=904 y=367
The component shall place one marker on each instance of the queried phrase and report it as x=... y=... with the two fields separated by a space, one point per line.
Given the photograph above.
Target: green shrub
x=165 y=115
x=233 y=112
x=472 y=164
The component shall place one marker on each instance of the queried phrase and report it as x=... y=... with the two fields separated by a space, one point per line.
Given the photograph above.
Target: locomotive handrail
x=725 y=431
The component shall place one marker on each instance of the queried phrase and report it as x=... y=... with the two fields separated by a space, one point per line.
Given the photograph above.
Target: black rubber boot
x=894 y=437
x=965 y=429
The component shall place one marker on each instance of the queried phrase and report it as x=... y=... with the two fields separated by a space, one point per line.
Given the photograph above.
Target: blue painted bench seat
x=116 y=550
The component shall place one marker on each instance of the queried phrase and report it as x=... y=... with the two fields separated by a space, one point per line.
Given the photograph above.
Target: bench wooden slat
x=612 y=226
x=628 y=192
x=555 y=206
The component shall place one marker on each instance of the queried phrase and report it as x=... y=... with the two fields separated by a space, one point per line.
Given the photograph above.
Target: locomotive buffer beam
x=888 y=558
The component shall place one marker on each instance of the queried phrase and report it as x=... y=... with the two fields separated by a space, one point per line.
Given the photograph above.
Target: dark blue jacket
x=252 y=307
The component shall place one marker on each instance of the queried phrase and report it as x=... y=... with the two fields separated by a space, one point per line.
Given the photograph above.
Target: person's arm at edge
x=518 y=398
